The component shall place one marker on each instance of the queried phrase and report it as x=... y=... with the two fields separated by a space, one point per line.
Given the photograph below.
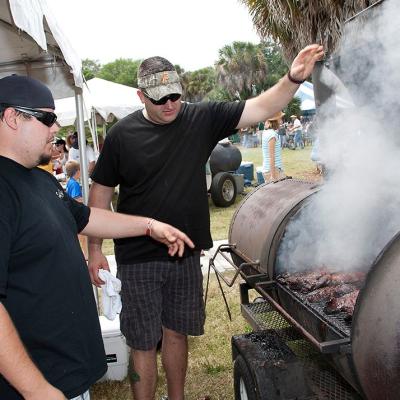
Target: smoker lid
x=259 y=222
x=376 y=327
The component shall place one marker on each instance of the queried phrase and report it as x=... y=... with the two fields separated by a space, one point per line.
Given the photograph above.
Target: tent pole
x=82 y=144
x=94 y=133
x=83 y=159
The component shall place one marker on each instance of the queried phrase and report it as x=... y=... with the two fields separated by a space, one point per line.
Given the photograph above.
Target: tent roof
x=305 y=93
x=107 y=98
x=32 y=44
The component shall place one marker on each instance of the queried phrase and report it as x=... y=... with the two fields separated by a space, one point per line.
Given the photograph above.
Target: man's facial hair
x=44 y=159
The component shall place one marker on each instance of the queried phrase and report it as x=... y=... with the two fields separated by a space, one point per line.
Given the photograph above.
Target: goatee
x=44 y=159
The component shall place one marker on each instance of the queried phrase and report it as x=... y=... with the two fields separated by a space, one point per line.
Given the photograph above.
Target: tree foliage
x=122 y=70
x=241 y=68
x=296 y=23
x=90 y=68
x=276 y=64
x=198 y=84
x=293 y=108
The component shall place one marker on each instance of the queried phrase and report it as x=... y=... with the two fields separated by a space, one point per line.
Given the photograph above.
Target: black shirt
x=44 y=280
x=161 y=172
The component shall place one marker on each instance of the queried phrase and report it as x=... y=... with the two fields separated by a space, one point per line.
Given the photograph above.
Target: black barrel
x=225 y=157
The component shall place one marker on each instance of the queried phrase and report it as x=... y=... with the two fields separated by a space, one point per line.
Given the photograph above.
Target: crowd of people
x=65 y=150
x=292 y=134
x=51 y=343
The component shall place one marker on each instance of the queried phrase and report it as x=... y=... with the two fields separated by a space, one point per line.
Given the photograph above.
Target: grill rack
x=339 y=320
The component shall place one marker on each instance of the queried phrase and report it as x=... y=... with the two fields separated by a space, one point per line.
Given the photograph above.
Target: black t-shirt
x=44 y=280
x=160 y=170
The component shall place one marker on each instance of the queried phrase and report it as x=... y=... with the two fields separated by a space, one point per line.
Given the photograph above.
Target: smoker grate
x=326 y=383
x=330 y=385
x=340 y=320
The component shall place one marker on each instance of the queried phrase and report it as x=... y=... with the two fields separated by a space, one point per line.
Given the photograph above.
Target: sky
x=186 y=32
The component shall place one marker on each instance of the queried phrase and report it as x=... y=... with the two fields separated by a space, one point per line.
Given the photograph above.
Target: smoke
x=357 y=211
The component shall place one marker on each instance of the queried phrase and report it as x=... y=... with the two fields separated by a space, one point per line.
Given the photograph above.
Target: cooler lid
x=109 y=328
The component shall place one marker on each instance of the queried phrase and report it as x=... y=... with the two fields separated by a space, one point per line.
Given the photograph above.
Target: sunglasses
x=45 y=117
x=173 y=97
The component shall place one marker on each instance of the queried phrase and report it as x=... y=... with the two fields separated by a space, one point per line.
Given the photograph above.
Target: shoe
x=164 y=398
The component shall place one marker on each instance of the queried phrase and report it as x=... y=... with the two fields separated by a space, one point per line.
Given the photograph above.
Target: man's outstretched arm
x=276 y=98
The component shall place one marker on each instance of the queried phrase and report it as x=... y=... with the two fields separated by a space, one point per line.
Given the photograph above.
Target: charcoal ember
x=337 y=278
x=270 y=345
x=345 y=304
x=329 y=292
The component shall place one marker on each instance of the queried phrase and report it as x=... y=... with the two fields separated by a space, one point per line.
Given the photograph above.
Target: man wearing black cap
x=50 y=339
x=157 y=157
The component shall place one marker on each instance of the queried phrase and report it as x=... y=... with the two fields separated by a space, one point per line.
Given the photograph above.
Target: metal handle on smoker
x=220 y=250
x=331 y=346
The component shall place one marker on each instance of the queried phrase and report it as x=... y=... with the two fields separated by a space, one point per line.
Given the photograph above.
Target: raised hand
x=303 y=64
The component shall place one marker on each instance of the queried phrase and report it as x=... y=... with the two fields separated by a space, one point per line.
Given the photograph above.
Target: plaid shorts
x=161 y=293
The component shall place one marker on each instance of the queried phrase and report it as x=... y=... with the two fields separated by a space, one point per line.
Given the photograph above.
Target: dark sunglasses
x=45 y=117
x=173 y=97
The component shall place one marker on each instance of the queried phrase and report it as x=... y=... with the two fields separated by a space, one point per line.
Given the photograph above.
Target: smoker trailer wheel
x=223 y=189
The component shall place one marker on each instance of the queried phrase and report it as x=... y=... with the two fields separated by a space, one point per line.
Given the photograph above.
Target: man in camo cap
x=160 y=84
x=157 y=157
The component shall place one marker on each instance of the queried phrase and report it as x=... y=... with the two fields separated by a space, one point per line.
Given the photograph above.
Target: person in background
x=297 y=130
x=73 y=172
x=74 y=190
x=69 y=140
x=61 y=160
x=271 y=148
x=50 y=339
x=157 y=157
x=282 y=134
x=74 y=153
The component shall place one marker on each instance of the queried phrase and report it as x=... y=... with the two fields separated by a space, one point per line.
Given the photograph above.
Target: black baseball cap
x=23 y=91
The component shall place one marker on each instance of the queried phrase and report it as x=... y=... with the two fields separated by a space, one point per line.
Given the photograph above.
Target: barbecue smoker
x=297 y=350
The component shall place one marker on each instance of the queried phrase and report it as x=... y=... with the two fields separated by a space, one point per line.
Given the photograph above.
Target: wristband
x=291 y=79
x=149 y=225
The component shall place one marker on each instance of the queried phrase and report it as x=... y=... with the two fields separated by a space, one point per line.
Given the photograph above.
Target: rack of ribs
x=309 y=281
x=305 y=281
x=345 y=303
x=338 y=278
x=329 y=292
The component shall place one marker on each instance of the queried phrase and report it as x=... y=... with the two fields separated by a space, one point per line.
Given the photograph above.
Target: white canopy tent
x=33 y=44
x=305 y=93
x=107 y=99
x=341 y=97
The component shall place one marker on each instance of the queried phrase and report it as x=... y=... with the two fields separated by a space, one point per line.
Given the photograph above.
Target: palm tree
x=297 y=23
x=198 y=84
x=241 y=67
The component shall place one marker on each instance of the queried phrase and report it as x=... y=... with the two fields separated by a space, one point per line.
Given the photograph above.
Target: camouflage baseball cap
x=160 y=84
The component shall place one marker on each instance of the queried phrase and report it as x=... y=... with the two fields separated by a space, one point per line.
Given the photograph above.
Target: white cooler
x=116 y=350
